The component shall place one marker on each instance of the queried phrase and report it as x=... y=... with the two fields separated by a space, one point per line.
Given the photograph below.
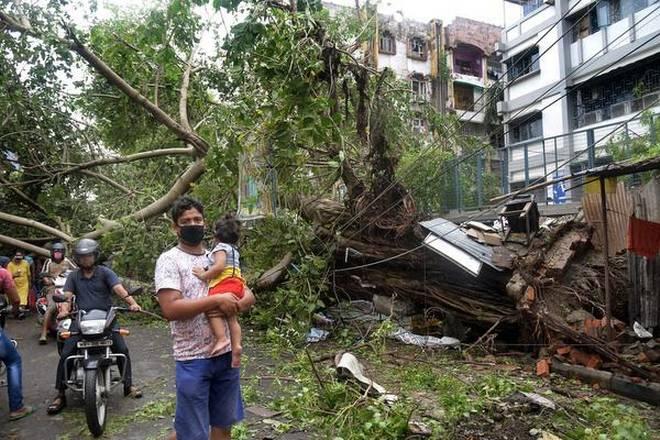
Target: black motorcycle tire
x=96 y=406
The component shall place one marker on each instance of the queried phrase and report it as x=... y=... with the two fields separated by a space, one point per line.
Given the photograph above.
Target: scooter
x=42 y=302
x=88 y=370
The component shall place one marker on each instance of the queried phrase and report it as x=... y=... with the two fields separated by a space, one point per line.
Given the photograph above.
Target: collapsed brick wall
x=479 y=34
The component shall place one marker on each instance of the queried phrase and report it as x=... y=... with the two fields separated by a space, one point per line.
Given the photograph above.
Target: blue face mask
x=192 y=234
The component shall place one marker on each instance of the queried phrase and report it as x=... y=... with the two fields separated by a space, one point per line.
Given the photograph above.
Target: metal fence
x=475 y=179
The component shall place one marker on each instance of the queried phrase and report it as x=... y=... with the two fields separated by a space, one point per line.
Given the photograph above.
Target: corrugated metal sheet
x=619 y=210
x=451 y=233
x=644 y=299
x=644 y=273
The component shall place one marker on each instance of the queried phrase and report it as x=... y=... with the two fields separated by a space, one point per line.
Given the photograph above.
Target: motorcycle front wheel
x=96 y=400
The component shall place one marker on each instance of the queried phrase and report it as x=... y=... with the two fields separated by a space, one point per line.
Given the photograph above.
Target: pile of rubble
x=540 y=286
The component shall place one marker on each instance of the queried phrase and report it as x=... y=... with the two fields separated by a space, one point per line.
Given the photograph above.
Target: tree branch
x=180 y=187
x=22 y=195
x=14 y=243
x=129 y=158
x=104 y=70
x=183 y=95
x=35 y=224
x=108 y=180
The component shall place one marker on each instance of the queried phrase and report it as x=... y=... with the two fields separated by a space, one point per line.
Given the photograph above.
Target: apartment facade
x=448 y=67
x=566 y=100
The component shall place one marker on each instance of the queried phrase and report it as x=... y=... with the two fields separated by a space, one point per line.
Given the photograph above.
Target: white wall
x=549 y=65
x=401 y=64
x=651 y=24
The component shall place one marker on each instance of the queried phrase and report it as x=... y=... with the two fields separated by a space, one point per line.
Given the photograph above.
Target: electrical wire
x=506 y=199
x=465 y=158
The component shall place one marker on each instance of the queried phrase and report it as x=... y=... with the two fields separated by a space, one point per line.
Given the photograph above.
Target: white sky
x=489 y=11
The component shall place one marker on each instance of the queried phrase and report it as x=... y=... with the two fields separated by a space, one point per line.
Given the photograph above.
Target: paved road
x=153 y=370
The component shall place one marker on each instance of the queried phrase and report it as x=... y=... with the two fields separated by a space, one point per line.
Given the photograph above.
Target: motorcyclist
x=56 y=265
x=92 y=286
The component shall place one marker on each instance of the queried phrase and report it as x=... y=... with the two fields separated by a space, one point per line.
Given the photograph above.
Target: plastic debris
x=533 y=399
x=348 y=367
x=322 y=321
x=410 y=338
x=317 y=335
x=641 y=332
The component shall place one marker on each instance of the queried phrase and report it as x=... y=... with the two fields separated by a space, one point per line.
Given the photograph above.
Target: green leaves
x=230 y=5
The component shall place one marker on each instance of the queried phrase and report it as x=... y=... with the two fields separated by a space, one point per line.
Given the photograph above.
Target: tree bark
x=35 y=224
x=14 y=243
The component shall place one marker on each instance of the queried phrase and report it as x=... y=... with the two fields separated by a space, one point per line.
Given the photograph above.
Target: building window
x=606 y=13
x=529 y=127
x=418 y=124
x=463 y=97
x=530 y=6
x=417 y=48
x=387 y=43
x=613 y=96
x=418 y=85
x=524 y=63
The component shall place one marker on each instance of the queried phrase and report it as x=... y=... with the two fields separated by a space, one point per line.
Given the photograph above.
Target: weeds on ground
x=602 y=418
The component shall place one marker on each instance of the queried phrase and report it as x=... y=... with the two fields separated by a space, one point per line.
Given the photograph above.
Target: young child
x=224 y=276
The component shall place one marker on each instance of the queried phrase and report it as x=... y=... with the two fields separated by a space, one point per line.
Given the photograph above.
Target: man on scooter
x=56 y=265
x=92 y=286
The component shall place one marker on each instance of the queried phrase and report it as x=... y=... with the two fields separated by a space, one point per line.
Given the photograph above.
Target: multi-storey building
x=577 y=71
x=448 y=67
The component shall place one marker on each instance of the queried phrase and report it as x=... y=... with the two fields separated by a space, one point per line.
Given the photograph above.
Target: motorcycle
x=88 y=370
x=42 y=302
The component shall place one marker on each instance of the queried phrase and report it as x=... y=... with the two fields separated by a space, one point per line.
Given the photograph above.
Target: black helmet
x=4 y=261
x=86 y=246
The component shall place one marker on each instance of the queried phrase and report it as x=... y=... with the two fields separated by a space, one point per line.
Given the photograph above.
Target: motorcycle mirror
x=59 y=298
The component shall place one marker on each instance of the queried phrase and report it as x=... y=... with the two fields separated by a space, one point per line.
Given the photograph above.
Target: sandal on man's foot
x=23 y=412
x=133 y=392
x=43 y=340
x=56 y=406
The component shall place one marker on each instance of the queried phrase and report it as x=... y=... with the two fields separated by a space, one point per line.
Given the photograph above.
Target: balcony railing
x=472 y=182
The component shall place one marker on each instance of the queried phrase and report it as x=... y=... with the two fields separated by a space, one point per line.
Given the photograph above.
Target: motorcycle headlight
x=92 y=327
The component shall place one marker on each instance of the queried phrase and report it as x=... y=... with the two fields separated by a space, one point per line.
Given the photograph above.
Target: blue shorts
x=208 y=393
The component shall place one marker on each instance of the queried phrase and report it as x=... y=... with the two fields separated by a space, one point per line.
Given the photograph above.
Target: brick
x=543 y=368
x=563 y=351
x=588 y=360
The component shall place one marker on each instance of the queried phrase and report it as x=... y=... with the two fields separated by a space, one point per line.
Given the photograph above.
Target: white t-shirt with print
x=192 y=338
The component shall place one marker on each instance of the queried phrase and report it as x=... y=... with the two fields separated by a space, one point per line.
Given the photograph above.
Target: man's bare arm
x=177 y=308
x=247 y=301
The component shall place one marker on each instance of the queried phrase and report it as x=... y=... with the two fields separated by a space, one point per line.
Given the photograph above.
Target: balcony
x=534 y=13
x=635 y=26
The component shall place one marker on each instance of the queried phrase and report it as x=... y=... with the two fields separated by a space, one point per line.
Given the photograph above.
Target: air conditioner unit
x=620 y=109
x=592 y=117
x=651 y=100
